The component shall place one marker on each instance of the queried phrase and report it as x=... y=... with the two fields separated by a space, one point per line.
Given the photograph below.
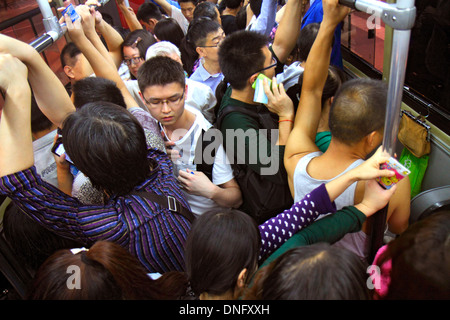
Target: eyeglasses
x=171 y=102
x=274 y=64
x=216 y=41
x=133 y=60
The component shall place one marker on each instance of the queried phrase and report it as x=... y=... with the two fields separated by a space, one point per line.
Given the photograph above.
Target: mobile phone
x=260 y=96
x=59 y=150
x=398 y=168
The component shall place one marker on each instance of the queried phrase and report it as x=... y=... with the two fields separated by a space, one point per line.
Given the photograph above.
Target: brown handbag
x=414 y=134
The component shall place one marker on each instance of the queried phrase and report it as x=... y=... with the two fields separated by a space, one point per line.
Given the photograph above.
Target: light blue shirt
x=202 y=75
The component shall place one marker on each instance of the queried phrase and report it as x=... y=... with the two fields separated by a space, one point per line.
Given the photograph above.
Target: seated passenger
x=105 y=142
x=356 y=123
x=163 y=88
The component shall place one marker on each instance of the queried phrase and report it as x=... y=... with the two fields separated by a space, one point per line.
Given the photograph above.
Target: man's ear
x=373 y=140
x=69 y=72
x=200 y=51
x=253 y=78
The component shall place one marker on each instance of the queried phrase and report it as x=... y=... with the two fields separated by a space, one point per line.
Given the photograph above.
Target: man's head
x=107 y=144
x=187 y=8
x=74 y=63
x=358 y=112
x=234 y=4
x=148 y=15
x=92 y=89
x=207 y=9
x=165 y=49
x=206 y=35
x=242 y=56
x=163 y=87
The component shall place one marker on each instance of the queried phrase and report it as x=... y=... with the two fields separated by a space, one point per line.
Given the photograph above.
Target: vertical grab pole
x=399 y=56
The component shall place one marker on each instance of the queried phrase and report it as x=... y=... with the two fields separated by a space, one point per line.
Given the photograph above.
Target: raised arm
x=302 y=137
x=16 y=150
x=288 y=30
x=165 y=6
x=101 y=67
x=50 y=94
x=129 y=15
x=266 y=19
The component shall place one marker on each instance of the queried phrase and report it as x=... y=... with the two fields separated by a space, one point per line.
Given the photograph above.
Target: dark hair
x=358 y=109
x=39 y=121
x=306 y=39
x=107 y=272
x=194 y=2
x=219 y=246
x=169 y=30
x=147 y=39
x=160 y=70
x=92 y=89
x=314 y=272
x=420 y=260
x=255 y=5
x=241 y=18
x=31 y=242
x=107 y=144
x=200 y=28
x=240 y=55
x=233 y=4
x=69 y=54
x=147 y=11
x=336 y=77
x=206 y=9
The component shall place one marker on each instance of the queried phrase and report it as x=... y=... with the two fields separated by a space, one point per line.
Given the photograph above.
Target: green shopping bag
x=417 y=166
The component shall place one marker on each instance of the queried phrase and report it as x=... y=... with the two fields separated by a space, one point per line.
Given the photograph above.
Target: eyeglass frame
x=274 y=64
x=131 y=61
x=166 y=101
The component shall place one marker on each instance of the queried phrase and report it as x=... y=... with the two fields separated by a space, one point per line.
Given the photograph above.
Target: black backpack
x=263 y=198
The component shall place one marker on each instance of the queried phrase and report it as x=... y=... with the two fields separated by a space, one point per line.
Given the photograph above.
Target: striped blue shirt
x=153 y=234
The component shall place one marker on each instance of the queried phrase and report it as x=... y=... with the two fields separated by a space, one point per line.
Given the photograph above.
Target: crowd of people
x=176 y=182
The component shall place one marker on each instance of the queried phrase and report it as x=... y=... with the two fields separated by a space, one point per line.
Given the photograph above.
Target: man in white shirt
x=163 y=86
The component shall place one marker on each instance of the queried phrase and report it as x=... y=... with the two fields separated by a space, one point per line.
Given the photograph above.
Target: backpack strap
x=167 y=202
x=259 y=113
x=202 y=165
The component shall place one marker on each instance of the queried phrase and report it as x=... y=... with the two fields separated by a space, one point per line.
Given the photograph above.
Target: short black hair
x=68 y=54
x=92 y=89
x=147 y=11
x=206 y=9
x=160 y=70
x=359 y=108
x=233 y=4
x=240 y=55
x=107 y=143
x=194 y=2
x=200 y=28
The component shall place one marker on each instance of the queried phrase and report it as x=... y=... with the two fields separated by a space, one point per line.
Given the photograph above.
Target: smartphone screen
x=59 y=150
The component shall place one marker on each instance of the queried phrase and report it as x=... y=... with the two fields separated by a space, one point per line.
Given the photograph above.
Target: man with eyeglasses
x=207 y=35
x=243 y=57
x=163 y=87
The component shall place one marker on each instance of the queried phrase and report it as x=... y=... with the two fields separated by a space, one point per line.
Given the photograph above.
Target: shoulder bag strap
x=167 y=202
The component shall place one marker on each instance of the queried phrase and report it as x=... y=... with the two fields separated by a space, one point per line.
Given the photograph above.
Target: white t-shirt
x=43 y=158
x=180 y=18
x=221 y=172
